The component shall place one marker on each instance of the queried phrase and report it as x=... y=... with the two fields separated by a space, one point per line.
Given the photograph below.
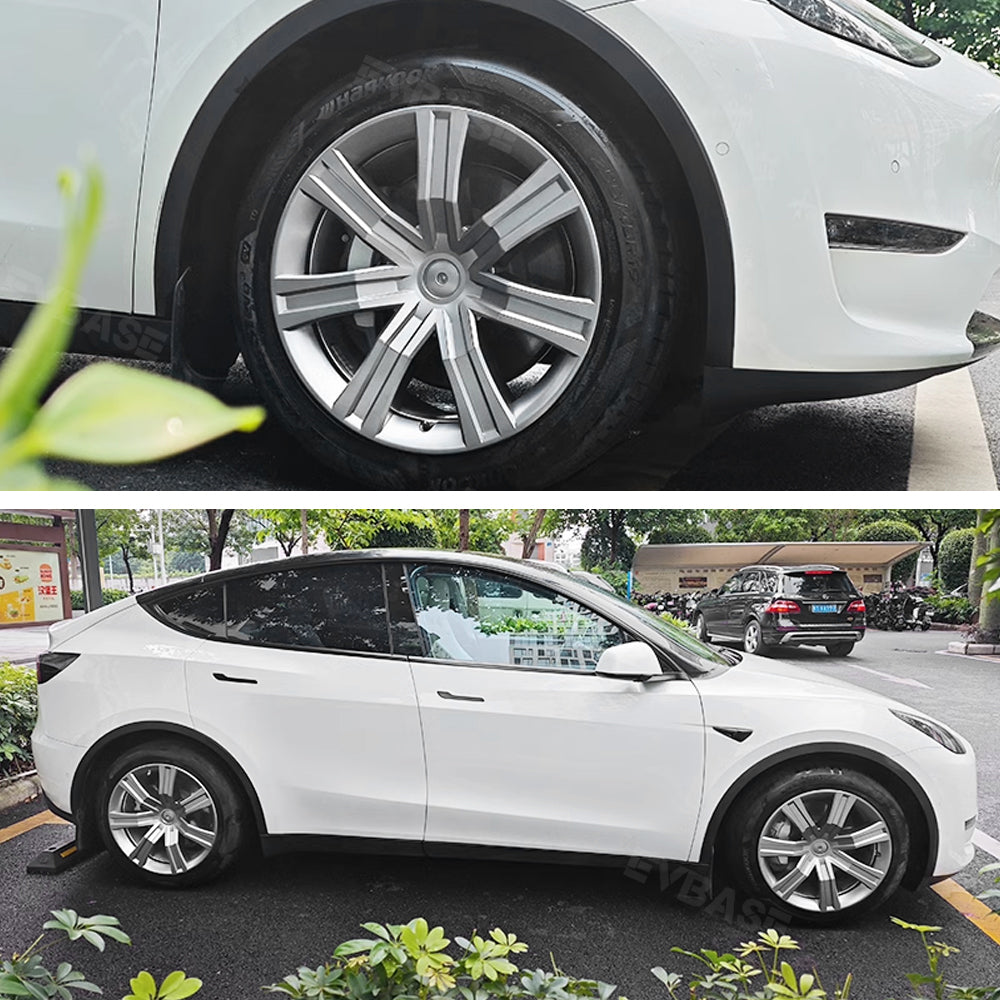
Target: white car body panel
x=926 y=149
x=330 y=742
x=523 y=768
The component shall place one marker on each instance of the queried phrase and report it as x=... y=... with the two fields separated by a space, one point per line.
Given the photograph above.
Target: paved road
x=266 y=918
x=873 y=443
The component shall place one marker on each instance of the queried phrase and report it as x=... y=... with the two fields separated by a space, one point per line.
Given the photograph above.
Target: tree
x=488 y=529
x=954 y=557
x=360 y=528
x=610 y=536
x=892 y=531
x=124 y=533
x=972 y=27
x=210 y=532
x=989 y=606
x=285 y=527
x=680 y=527
x=931 y=524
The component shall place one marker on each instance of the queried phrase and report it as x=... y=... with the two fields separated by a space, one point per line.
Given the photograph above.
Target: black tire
x=840 y=648
x=643 y=295
x=228 y=805
x=753 y=638
x=700 y=628
x=755 y=808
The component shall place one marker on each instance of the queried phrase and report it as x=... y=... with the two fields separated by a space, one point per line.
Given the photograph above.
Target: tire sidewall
x=597 y=405
x=229 y=806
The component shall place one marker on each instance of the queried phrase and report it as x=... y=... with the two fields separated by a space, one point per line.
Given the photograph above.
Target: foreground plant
x=933 y=983
x=411 y=962
x=26 y=974
x=106 y=413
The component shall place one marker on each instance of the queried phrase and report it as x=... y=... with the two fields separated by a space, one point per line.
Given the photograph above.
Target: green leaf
x=112 y=414
x=31 y=476
x=143 y=987
x=177 y=986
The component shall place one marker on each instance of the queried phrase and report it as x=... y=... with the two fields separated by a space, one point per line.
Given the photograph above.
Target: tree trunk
x=305 y=533
x=975 y=570
x=128 y=570
x=464 y=523
x=218 y=541
x=989 y=605
x=910 y=13
x=531 y=539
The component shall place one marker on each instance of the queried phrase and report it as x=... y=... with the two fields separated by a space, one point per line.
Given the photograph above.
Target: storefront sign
x=30 y=586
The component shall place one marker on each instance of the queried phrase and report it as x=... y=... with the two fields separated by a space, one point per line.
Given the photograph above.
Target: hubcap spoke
x=441 y=135
x=797 y=812
x=203 y=838
x=483 y=412
x=309 y=298
x=118 y=820
x=174 y=855
x=772 y=847
x=865 y=874
x=829 y=898
x=367 y=400
x=784 y=887
x=340 y=189
x=544 y=199
x=167 y=779
x=198 y=799
x=877 y=833
x=561 y=320
x=154 y=835
x=139 y=792
x=840 y=808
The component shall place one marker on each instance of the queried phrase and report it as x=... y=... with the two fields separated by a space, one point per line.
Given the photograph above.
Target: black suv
x=768 y=606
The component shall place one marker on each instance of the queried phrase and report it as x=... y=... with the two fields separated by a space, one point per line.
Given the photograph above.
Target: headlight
x=936 y=732
x=862 y=23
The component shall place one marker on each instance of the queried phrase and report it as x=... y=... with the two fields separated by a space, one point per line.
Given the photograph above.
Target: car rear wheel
x=753 y=638
x=840 y=648
x=821 y=844
x=455 y=277
x=170 y=815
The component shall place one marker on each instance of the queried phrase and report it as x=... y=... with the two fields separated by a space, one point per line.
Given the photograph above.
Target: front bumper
x=799 y=124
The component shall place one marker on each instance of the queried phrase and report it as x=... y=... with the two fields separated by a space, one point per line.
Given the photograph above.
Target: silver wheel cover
x=415 y=320
x=162 y=818
x=825 y=850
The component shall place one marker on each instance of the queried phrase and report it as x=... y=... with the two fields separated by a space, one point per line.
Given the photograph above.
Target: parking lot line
x=32 y=822
x=974 y=910
x=987 y=843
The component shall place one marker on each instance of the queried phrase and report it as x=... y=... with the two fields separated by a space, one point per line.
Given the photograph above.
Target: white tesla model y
x=427 y=702
x=475 y=241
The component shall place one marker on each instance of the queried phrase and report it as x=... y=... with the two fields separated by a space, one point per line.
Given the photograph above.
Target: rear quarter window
x=197 y=612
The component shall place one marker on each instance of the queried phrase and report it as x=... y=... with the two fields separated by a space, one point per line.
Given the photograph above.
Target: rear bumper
x=813 y=637
x=57 y=763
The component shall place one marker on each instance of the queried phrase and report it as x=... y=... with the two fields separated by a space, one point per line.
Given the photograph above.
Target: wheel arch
x=912 y=798
x=230 y=130
x=133 y=735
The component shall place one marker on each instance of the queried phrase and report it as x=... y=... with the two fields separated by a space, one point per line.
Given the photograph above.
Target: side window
x=196 y=612
x=336 y=607
x=483 y=617
x=731 y=586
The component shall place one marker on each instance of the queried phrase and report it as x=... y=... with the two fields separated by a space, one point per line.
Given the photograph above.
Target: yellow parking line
x=39 y=819
x=974 y=910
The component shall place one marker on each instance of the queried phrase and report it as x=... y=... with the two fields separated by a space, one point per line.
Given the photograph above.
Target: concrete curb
x=973 y=649
x=14 y=791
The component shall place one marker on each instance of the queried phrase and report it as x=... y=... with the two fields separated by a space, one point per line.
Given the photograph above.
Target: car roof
x=796 y=569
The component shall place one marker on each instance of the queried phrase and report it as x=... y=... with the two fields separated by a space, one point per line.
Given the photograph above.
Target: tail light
x=856 y=608
x=783 y=607
x=50 y=664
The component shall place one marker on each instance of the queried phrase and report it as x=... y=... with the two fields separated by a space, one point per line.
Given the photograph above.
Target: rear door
x=526 y=746
x=303 y=685
x=716 y=608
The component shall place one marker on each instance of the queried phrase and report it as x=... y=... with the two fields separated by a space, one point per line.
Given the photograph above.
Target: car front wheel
x=701 y=629
x=821 y=844
x=456 y=277
x=170 y=815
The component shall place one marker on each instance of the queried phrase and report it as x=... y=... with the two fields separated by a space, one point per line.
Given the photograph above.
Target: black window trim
x=151 y=606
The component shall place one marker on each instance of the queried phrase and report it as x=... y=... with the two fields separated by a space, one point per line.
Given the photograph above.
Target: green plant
x=18 y=708
x=512 y=624
x=954 y=557
x=111 y=596
x=105 y=413
x=990 y=870
x=25 y=974
x=675 y=621
x=951 y=610
x=412 y=962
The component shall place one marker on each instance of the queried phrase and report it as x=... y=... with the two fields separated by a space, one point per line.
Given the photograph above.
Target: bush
x=954 y=557
x=110 y=597
x=951 y=610
x=18 y=709
x=892 y=531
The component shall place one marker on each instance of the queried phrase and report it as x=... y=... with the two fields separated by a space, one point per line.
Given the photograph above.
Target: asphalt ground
x=267 y=917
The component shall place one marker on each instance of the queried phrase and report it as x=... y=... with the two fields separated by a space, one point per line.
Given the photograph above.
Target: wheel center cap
x=168 y=816
x=820 y=847
x=442 y=278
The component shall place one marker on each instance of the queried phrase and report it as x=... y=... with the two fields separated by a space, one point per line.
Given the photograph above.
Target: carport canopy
x=702 y=566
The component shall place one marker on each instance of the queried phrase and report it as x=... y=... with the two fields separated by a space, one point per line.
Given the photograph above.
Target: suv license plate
x=825 y=609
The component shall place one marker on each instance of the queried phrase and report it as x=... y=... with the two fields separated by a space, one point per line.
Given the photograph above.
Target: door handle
x=448 y=696
x=234 y=680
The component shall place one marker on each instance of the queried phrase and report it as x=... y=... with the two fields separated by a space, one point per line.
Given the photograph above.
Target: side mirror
x=633 y=661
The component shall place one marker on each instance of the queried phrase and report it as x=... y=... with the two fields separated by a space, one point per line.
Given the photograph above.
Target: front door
x=526 y=746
